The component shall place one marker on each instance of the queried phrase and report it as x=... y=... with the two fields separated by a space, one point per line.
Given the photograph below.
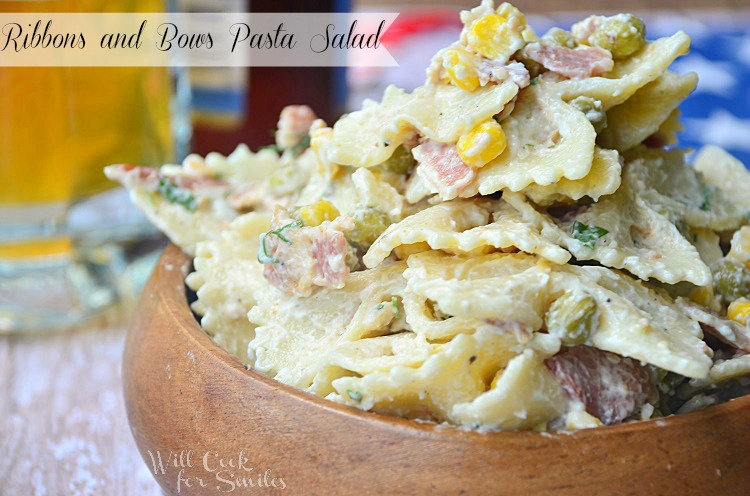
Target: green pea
x=731 y=279
x=593 y=111
x=622 y=35
x=559 y=37
x=573 y=317
x=369 y=223
x=400 y=162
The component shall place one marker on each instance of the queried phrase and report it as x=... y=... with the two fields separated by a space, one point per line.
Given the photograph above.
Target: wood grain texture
x=194 y=405
x=63 y=429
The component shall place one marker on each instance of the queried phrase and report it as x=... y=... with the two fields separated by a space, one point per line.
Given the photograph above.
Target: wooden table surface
x=63 y=428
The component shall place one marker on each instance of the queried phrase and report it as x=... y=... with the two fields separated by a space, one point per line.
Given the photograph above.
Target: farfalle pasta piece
x=524 y=396
x=633 y=320
x=548 y=140
x=225 y=277
x=725 y=173
x=426 y=319
x=457 y=372
x=461 y=226
x=628 y=75
x=381 y=353
x=638 y=322
x=641 y=115
x=443 y=113
x=669 y=185
x=437 y=226
x=603 y=179
x=513 y=289
x=623 y=231
x=293 y=333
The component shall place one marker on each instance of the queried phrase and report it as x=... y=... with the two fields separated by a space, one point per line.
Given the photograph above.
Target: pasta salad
x=517 y=244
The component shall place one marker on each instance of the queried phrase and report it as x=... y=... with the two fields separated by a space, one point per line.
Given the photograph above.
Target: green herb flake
x=301 y=145
x=534 y=81
x=396 y=307
x=280 y=231
x=276 y=148
x=174 y=194
x=263 y=256
x=708 y=196
x=588 y=235
x=379 y=307
x=355 y=395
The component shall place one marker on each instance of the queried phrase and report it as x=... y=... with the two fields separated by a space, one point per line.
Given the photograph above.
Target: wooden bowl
x=205 y=425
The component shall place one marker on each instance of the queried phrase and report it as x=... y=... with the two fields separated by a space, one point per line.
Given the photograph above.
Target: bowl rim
x=176 y=304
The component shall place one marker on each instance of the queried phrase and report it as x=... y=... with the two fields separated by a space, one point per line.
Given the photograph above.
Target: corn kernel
x=705 y=296
x=739 y=311
x=482 y=144
x=492 y=36
x=460 y=64
x=317 y=213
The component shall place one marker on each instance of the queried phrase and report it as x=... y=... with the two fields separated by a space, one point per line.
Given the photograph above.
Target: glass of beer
x=60 y=224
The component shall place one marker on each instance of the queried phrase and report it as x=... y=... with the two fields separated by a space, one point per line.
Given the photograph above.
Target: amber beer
x=59 y=126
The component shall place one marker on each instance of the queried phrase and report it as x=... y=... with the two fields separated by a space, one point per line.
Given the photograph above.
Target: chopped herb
x=534 y=81
x=529 y=145
x=280 y=231
x=263 y=256
x=445 y=317
x=708 y=196
x=355 y=395
x=379 y=306
x=276 y=148
x=301 y=145
x=396 y=308
x=588 y=235
x=174 y=194
x=472 y=359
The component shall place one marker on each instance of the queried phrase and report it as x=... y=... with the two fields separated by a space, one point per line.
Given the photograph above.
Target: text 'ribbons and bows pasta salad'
x=520 y=243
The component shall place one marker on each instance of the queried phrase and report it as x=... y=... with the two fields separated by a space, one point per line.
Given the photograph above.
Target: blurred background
x=74 y=252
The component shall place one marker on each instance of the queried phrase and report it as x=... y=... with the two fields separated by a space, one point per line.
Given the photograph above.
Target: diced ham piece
x=610 y=387
x=442 y=168
x=520 y=331
x=133 y=176
x=294 y=123
x=490 y=71
x=305 y=257
x=147 y=178
x=573 y=63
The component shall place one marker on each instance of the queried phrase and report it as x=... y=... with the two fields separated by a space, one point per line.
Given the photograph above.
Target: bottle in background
x=251 y=111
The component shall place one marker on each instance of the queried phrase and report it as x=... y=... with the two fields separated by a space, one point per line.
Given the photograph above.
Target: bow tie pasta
x=516 y=244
